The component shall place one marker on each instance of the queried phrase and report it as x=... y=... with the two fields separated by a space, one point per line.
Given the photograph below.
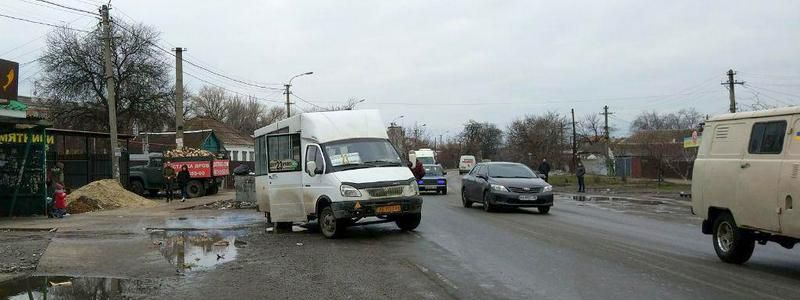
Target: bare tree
x=590 y=129
x=211 y=102
x=483 y=140
x=682 y=119
x=542 y=136
x=74 y=81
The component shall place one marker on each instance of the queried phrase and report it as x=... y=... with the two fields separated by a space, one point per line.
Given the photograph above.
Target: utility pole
x=607 y=138
x=179 y=97
x=288 y=104
x=731 y=83
x=574 y=142
x=111 y=95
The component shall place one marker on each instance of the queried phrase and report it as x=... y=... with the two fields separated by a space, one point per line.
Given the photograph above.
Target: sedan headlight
x=349 y=191
x=547 y=188
x=499 y=188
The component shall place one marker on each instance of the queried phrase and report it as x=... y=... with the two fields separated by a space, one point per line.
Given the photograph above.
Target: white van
x=465 y=163
x=426 y=156
x=338 y=167
x=745 y=180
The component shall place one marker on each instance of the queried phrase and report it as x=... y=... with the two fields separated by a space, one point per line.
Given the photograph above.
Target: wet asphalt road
x=582 y=250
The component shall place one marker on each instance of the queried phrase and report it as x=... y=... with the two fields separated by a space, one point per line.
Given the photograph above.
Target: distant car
x=506 y=184
x=465 y=163
x=434 y=180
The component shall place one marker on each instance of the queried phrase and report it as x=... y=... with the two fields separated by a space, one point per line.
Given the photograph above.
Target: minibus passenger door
x=759 y=175
x=313 y=182
x=285 y=178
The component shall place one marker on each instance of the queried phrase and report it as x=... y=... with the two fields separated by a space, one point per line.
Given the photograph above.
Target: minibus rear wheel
x=732 y=244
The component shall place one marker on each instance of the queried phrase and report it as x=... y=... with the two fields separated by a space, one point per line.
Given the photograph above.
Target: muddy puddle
x=194 y=250
x=59 y=287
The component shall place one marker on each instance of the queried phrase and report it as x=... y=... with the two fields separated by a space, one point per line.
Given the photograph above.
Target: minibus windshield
x=361 y=153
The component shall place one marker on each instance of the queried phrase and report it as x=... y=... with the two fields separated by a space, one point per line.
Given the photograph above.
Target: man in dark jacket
x=544 y=168
x=580 y=171
x=169 y=181
x=183 y=180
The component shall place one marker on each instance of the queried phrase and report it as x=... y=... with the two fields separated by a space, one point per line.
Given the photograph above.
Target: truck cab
x=336 y=167
x=149 y=177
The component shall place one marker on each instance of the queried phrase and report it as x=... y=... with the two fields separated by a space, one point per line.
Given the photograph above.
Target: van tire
x=732 y=244
x=409 y=222
x=330 y=226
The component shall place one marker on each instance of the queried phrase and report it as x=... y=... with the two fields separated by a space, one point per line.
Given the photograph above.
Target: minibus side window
x=283 y=153
x=767 y=137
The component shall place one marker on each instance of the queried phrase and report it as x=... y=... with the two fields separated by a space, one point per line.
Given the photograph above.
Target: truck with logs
x=205 y=169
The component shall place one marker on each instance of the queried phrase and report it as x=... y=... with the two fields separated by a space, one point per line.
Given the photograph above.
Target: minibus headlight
x=547 y=188
x=412 y=189
x=349 y=191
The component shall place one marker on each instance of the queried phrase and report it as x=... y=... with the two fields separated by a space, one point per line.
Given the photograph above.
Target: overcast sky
x=444 y=62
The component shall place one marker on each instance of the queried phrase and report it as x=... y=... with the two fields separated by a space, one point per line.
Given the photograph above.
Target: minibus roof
x=323 y=127
x=756 y=114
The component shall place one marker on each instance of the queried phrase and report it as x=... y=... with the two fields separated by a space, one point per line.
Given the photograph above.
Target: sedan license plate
x=387 y=209
x=527 y=197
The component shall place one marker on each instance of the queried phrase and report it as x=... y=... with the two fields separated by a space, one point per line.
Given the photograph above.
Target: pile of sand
x=104 y=194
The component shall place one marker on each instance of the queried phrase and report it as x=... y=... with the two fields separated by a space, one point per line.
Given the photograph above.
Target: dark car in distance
x=434 y=180
x=505 y=184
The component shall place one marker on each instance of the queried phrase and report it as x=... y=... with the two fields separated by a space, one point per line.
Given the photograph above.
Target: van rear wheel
x=732 y=244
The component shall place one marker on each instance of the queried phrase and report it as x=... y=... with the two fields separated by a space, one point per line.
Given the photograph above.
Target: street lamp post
x=288 y=85
x=355 y=103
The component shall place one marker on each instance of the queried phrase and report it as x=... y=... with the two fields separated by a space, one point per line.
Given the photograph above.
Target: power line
x=70 y=8
x=774 y=91
x=43 y=23
x=312 y=104
x=55 y=8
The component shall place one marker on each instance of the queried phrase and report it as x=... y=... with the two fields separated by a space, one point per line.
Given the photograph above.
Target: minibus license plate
x=387 y=209
x=527 y=197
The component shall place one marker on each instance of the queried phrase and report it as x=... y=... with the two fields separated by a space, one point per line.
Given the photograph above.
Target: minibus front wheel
x=329 y=225
x=409 y=222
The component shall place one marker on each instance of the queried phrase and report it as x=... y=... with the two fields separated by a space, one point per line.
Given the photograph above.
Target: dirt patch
x=104 y=194
x=20 y=251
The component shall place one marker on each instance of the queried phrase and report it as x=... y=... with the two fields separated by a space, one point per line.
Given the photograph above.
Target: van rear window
x=767 y=137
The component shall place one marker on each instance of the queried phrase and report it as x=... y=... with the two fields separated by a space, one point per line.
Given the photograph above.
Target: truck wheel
x=409 y=222
x=137 y=187
x=212 y=190
x=195 y=189
x=732 y=244
x=330 y=226
x=464 y=200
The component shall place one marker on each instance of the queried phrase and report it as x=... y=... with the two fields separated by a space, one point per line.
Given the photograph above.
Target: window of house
x=767 y=137
x=252 y=156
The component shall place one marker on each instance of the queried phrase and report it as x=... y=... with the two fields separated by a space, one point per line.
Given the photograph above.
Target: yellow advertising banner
x=689 y=142
x=22 y=138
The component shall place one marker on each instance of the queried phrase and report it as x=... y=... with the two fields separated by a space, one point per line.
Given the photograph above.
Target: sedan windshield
x=433 y=171
x=510 y=171
x=361 y=153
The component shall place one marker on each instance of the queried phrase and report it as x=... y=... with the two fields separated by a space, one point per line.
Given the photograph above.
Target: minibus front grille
x=391 y=191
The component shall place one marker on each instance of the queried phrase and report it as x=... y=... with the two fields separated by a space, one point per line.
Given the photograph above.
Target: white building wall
x=240 y=152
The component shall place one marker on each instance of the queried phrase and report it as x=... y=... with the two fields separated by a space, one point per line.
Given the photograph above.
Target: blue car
x=434 y=180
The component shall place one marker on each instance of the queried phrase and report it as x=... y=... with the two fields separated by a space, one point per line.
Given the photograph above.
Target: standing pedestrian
x=183 y=180
x=580 y=171
x=169 y=181
x=544 y=168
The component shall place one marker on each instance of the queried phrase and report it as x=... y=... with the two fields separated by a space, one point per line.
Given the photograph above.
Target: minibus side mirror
x=311 y=168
